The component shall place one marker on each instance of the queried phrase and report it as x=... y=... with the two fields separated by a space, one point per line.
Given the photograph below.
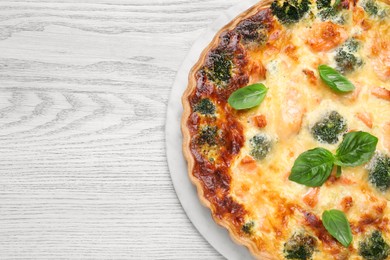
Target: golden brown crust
x=186 y=134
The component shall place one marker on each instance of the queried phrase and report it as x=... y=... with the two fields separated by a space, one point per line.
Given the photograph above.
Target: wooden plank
x=83 y=93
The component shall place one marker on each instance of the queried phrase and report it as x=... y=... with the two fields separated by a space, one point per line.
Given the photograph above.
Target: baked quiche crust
x=258 y=46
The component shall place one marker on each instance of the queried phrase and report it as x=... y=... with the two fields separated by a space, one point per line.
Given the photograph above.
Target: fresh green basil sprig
x=355 y=149
x=334 y=79
x=248 y=97
x=313 y=167
x=336 y=223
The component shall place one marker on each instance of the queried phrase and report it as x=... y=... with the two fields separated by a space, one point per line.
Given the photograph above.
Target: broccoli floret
x=219 y=69
x=375 y=9
x=371 y=8
x=323 y=4
x=290 y=11
x=205 y=107
x=208 y=135
x=329 y=128
x=346 y=58
x=328 y=12
x=374 y=247
x=346 y=61
x=260 y=145
x=252 y=32
x=247 y=228
x=300 y=247
x=351 y=45
x=379 y=172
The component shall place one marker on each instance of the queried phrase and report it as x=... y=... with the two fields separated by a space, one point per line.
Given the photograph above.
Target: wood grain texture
x=83 y=93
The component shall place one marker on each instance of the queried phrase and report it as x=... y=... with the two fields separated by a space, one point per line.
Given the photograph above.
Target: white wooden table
x=83 y=91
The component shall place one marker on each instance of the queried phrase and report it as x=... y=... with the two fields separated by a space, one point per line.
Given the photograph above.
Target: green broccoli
x=374 y=247
x=371 y=7
x=290 y=11
x=379 y=172
x=260 y=146
x=252 y=32
x=300 y=247
x=205 y=107
x=376 y=9
x=329 y=128
x=247 y=228
x=351 y=45
x=346 y=58
x=219 y=68
x=323 y=4
x=346 y=61
x=208 y=135
x=328 y=12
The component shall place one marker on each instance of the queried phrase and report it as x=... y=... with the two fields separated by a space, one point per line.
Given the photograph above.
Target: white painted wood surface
x=83 y=91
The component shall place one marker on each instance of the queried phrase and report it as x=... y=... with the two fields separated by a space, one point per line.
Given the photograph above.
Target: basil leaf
x=334 y=79
x=247 y=97
x=337 y=225
x=355 y=149
x=312 y=168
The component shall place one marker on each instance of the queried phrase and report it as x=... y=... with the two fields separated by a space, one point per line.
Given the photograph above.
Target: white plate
x=200 y=216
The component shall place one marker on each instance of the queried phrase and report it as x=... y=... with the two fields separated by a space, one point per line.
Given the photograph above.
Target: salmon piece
x=260 y=121
x=359 y=18
x=278 y=39
x=347 y=203
x=381 y=93
x=311 y=197
x=310 y=76
x=290 y=50
x=365 y=117
x=292 y=112
x=326 y=36
x=380 y=52
x=247 y=159
x=256 y=70
x=358 y=15
x=248 y=164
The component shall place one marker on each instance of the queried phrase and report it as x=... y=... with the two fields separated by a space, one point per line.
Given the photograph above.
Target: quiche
x=286 y=129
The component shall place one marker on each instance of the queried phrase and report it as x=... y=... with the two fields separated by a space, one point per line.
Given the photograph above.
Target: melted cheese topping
x=295 y=101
